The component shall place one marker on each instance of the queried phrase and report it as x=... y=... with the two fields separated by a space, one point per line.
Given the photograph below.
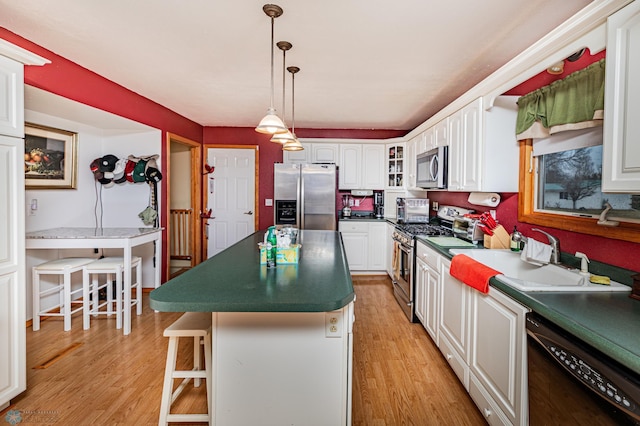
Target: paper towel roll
x=490 y=199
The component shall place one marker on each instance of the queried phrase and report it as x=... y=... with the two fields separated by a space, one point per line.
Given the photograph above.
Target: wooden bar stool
x=112 y=267
x=63 y=268
x=198 y=326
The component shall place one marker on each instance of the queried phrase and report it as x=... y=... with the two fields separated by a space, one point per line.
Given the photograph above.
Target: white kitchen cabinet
x=396 y=165
x=377 y=246
x=410 y=163
x=350 y=173
x=390 y=249
x=428 y=140
x=324 y=153
x=498 y=363
x=355 y=237
x=373 y=166
x=621 y=150
x=298 y=157
x=454 y=320
x=361 y=166
x=427 y=288
x=483 y=338
x=441 y=133
x=420 y=299
x=483 y=149
x=365 y=244
x=13 y=348
x=313 y=153
x=13 y=354
x=12 y=97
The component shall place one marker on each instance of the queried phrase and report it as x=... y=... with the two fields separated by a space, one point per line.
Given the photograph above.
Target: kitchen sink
x=527 y=277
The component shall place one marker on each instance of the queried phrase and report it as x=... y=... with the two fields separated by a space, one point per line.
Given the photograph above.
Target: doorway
x=184 y=206
x=231 y=196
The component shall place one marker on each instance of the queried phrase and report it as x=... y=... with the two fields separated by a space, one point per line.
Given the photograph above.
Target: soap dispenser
x=517 y=240
x=584 y=267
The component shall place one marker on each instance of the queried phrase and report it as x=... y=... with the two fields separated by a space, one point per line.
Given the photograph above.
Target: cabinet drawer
x=346 y=226
x=428 y=256
x=455 y=361
x=488 y=409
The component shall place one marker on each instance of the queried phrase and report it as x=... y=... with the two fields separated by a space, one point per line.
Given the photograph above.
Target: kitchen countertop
x=607 y=321
x=235 y=281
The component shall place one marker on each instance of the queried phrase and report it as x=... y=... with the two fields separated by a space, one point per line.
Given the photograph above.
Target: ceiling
x=364 y=64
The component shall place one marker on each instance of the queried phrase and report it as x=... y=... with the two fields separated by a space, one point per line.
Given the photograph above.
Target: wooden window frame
x=626 y=231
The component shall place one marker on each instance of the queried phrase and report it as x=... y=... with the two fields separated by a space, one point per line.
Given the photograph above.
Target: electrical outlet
x=268 y=202
x=333 y=324
x=357 y=203
x=434 y=206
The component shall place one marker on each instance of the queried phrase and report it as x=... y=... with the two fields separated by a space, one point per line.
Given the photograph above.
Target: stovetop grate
x=415 y=229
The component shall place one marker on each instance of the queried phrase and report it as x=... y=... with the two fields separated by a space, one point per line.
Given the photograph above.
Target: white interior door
x=230 y=196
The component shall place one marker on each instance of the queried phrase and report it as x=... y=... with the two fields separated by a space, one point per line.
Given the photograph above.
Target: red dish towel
x=471 y=272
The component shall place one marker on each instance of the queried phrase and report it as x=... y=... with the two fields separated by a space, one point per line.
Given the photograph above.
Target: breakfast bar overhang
x=282 y=337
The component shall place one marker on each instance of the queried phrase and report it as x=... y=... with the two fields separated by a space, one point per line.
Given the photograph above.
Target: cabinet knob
x=449 y=356
x=487 y=412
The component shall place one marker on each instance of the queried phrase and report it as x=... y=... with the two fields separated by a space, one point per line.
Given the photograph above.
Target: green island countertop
x=235 y=281
x=607 y=321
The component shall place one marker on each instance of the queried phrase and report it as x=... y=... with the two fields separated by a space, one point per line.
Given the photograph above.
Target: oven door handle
x=405 y=249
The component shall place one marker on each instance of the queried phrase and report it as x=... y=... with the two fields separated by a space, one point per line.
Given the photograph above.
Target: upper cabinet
x=396 y=165
x=621 y=152
x=440 y=134
x=303 y=156
x=313 y=153
x=324 y=153
x=361 y=166
x=483 y=150
x=12 y=95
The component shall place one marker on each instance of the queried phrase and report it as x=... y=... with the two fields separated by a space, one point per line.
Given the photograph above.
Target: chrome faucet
x=555 y=246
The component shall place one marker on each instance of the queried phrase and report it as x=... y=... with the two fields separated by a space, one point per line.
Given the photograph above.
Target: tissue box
x=284 y=256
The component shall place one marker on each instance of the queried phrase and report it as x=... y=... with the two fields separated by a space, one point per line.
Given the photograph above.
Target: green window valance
x=575 y=102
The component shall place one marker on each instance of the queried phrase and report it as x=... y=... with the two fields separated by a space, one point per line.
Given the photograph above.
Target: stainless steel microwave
x=431 y=168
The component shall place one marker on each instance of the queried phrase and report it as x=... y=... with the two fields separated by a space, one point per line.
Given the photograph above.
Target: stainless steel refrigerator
x=305 y=195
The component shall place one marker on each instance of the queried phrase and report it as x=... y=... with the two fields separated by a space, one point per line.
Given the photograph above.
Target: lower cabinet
x=427 y=288
x=453 y=322
x=365 y=244
x=481 y=336
x=390 y=249
x=498 y=361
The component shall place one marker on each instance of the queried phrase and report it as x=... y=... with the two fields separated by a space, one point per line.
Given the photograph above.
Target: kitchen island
x=282 y=343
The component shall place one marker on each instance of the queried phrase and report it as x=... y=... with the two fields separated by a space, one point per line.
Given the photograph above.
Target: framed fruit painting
x=50 y=160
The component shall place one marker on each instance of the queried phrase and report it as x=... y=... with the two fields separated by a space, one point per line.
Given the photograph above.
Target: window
x=569 y=182
x=562 y=189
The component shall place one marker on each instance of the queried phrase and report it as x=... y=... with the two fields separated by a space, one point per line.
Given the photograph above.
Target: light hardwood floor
x=100 y=377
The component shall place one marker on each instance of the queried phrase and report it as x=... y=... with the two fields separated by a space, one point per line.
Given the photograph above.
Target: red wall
x=270 y=153
x=72 y=81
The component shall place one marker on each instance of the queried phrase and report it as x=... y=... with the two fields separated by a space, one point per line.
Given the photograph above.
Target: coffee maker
x=378 y=199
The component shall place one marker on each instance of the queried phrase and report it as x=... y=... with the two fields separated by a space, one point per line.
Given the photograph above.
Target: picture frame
x=50 y=157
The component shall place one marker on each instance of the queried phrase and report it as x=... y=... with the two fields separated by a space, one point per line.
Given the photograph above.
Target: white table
x=122 y=238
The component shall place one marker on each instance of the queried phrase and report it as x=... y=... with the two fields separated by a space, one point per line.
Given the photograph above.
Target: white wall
x=99 y=133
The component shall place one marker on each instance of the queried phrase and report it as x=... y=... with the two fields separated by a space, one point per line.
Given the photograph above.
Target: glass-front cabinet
x=395 y=165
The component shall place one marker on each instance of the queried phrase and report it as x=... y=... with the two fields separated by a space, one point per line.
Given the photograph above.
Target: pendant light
x=295 y=144
x=287 y=136
x=271 y=123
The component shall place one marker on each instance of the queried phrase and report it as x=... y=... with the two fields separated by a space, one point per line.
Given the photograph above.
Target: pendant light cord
x=272 y=39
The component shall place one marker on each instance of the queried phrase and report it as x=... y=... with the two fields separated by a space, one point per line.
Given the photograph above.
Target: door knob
x=249 y=213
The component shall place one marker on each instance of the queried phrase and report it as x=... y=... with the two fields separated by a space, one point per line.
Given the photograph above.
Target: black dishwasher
x=572 y=383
